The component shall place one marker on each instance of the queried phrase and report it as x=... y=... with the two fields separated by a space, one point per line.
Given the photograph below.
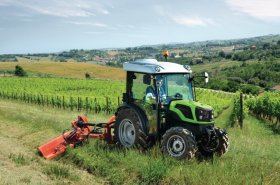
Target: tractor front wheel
x=223 y=142
x=217 y=144
x=178 y=143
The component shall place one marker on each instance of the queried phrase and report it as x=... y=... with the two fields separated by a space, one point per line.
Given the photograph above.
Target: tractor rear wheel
x=128 y=131
x=178 y=143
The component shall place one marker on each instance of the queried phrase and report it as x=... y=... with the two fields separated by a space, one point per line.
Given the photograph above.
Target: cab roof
x=152 y=66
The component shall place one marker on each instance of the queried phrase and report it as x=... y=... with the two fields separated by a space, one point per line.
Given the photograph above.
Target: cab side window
x=139 y=88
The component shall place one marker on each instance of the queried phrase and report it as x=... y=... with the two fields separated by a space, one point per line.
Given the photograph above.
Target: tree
x=19 y=71
x=266 y=46
x=222 y=54
x=87 y=75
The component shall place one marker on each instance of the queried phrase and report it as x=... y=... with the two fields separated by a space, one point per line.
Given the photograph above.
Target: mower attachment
x=80 y=131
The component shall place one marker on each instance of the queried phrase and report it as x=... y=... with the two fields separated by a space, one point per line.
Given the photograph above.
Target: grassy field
x=78 y=70
x=67 y=69
x=253 y=157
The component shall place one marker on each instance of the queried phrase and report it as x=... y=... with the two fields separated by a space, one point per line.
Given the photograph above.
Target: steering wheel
x=178 y=96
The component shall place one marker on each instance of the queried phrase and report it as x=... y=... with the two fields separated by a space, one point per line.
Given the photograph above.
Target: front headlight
x=203 y=114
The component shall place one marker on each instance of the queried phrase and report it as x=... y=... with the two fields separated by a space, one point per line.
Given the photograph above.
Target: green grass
x=60 y=171
x=19 y=159
x=253 y=156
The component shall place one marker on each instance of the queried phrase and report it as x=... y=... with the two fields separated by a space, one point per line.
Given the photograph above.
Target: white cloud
x=191 y=21
x=61 y=8
x=183 y=19
x=5 y=2
x=260 y=9
x=88 y=24
x=94 y=32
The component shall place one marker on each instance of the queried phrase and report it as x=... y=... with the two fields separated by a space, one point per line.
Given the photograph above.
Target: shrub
x=19 y=71
x=87 y=76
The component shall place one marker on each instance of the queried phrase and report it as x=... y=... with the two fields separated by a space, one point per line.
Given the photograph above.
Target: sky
x=44 y=26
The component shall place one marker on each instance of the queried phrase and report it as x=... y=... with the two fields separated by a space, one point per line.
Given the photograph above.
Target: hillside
x=261 y=48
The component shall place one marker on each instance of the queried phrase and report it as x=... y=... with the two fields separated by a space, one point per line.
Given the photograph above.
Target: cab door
x=144 y=96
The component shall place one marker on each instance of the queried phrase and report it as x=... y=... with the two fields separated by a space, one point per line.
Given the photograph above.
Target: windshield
x=175 y=86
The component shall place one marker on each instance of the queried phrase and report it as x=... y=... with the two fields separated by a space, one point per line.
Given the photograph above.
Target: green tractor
x=159 y=105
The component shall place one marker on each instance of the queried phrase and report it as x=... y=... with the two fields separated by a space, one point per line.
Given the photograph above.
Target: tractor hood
x=191 y=112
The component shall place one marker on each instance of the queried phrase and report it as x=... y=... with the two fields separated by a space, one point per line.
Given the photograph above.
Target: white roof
x=152 y=66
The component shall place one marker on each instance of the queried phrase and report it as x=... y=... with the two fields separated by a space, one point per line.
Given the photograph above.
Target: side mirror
x=191 y=77
x=206 y=77
x=147 y=79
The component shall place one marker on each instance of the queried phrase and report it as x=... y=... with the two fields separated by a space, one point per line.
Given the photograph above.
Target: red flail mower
x=81 y=130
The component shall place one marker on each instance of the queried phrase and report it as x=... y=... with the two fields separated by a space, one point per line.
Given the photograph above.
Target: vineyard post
x=241 y=111
x=107 y=107
x=63 y=102
x=52 y=102
x=95 y=105
x=118 y=101
x=86 y=104
x=78 y=104
x=71 y=103
x=42 y=99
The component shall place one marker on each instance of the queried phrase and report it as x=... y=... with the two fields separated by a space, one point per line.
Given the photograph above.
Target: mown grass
x=253 y=157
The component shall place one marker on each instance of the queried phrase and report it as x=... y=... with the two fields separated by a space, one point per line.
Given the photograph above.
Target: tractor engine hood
x=191 y=112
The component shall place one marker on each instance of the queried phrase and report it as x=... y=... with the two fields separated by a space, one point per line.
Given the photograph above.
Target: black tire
x=128 y=131
x=223 y=142
x=179 y=143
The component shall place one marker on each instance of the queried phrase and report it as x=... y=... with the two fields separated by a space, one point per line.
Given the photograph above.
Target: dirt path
x=20 y=163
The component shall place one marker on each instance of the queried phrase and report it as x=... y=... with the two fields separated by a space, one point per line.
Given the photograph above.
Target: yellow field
x=217 y=66
x=67 y=69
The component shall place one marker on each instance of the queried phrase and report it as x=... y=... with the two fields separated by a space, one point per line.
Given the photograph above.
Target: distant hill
x=249 y=64
x=118 y=55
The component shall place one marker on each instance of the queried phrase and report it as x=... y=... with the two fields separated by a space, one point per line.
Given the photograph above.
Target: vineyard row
x=87 y=104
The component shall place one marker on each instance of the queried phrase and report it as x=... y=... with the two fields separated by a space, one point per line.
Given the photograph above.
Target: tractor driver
x=151 y=93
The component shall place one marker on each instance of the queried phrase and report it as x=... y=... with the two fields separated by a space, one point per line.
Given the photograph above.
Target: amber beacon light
x=165 y=54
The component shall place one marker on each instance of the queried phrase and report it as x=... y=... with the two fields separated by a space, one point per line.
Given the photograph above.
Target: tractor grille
x=187 y=112
x=204 y=114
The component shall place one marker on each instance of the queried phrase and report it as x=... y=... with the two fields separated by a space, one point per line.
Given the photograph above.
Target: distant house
x=197 y=60
x=100 y=59
x=253 y=47
x=275 y=88
x=177 y=56
x=237 y=48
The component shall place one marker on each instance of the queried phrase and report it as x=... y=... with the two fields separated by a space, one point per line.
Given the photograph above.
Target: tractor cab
x=159 y=103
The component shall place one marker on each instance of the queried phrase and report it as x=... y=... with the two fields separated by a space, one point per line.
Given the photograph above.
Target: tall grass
x=59 y=171
x=253 y=156
x=19 y=159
